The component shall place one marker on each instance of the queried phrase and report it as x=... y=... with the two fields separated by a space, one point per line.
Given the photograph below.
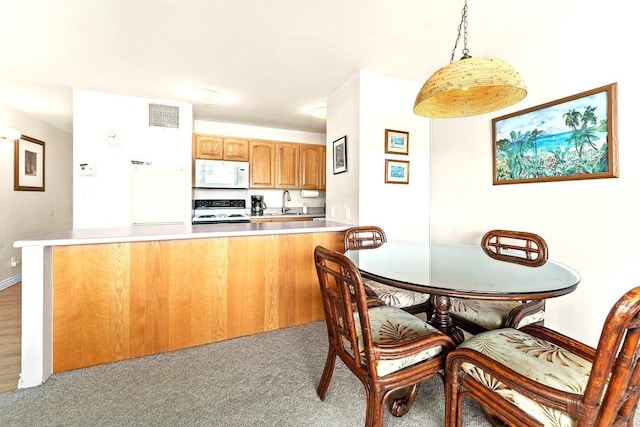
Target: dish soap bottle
x=304 y=209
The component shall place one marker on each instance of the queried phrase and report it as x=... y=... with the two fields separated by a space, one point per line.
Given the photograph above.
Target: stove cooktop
x=221 y=216
x=219 y=204
x=215 y=211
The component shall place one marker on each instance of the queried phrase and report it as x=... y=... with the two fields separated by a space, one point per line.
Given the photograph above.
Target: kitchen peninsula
x=97 y=296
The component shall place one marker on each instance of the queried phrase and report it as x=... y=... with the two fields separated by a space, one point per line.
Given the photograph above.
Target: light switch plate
x=88 y=169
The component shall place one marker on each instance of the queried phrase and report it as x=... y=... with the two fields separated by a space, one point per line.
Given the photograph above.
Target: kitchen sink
x=285 y=214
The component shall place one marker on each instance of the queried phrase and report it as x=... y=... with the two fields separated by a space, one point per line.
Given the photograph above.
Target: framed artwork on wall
x=396 y=171
x=28 y=170
x=340 y=155
x=396 y=142
x=566 y=139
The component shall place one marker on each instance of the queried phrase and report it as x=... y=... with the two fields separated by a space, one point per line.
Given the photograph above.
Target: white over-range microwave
x=221 y=174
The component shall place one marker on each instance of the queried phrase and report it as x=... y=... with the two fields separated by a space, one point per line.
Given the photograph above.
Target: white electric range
x=219 y=211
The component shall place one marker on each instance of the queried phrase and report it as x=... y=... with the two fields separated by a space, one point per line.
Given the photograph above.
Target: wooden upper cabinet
x=261 y=164
x=207 y=147
x=236 y=149
x=272 y=164
x=220 y=148
x=312 y=164
x=286 y=165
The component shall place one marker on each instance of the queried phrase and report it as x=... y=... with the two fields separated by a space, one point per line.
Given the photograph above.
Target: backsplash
x=272 y=197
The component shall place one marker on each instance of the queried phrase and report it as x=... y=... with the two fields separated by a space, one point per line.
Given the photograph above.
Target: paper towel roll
x=309 y=193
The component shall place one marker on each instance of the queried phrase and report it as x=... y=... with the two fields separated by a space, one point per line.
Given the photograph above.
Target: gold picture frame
x=396 y=142
x=396 y=171
x=566 y=139
x=28 y=170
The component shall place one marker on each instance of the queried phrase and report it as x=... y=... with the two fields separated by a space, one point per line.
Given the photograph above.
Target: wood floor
x=10 y=332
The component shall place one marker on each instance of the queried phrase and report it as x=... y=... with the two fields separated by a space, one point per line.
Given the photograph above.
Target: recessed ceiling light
x=208 y=96
x=9 y=133
x=319 y=112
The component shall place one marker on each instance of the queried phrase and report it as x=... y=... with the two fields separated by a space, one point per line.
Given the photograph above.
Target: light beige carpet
x=262 y=380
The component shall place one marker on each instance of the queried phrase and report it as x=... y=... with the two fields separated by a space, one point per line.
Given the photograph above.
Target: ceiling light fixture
x=470 y=86
x=208 y=96
x=11 y=134
x=319 y=112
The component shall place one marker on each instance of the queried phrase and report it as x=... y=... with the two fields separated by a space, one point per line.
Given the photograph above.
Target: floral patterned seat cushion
x=488 y=313
x=536 y=359
x=391 y=324
x=396 y=297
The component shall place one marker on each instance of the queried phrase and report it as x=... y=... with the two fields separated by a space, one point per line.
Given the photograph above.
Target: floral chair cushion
x=536 y=359
x=489 y=313
x=391 y=324
x=396 y=297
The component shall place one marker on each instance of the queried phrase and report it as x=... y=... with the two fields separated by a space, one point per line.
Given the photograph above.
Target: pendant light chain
x=465 y=24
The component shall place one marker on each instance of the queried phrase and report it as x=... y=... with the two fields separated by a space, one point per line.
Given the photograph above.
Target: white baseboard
x=4 y=284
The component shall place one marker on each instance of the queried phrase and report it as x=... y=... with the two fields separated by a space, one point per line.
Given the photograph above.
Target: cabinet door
x=236 y=149
x=290 y=219
x=258 y=220
x=208 y=147
x=323 y=167
x=261 y=164
x=311 y=166
x=286 y=165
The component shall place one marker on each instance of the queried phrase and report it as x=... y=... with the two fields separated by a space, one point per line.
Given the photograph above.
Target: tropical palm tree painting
x=571 y=138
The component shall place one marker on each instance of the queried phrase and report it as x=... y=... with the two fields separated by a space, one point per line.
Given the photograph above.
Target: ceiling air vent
x=166 y=116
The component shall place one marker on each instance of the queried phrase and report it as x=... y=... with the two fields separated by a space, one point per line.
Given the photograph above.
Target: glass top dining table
x=447 y=270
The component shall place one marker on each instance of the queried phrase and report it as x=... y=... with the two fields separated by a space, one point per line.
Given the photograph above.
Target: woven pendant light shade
x=469 y=87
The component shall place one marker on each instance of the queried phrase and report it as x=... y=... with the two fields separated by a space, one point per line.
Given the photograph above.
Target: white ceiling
x=274 y=58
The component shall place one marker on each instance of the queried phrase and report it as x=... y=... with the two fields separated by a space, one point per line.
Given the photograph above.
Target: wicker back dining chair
x=477 y=316
x=535 y=376
x=388 y=349
x=370 y=237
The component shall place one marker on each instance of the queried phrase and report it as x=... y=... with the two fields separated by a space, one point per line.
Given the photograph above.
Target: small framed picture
x=28 y=170
x=396 y=142
x=396 y=171
x=340 y=155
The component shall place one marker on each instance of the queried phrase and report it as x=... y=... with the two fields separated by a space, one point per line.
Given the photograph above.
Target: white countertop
x=288 y=215
x=177 y=232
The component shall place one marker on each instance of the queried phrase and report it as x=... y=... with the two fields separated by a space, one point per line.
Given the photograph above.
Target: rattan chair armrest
x=548 y=396
x=374 y=302
x=561 y=340
x=409 y=348
x=516 y=315
x=369 y=291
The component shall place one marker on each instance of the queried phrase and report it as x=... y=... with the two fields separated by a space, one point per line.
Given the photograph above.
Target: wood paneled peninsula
x=97 y=296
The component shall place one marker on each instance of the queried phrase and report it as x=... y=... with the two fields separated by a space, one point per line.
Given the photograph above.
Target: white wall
x=401 y=210
x=272 y=197
x=104 y=200
x=343 y=119
x=362 y=108
x=257 y=132
x=590 y=225
x=32 y=213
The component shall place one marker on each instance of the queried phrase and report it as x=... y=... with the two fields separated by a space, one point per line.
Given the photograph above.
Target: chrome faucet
x=285 y=193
